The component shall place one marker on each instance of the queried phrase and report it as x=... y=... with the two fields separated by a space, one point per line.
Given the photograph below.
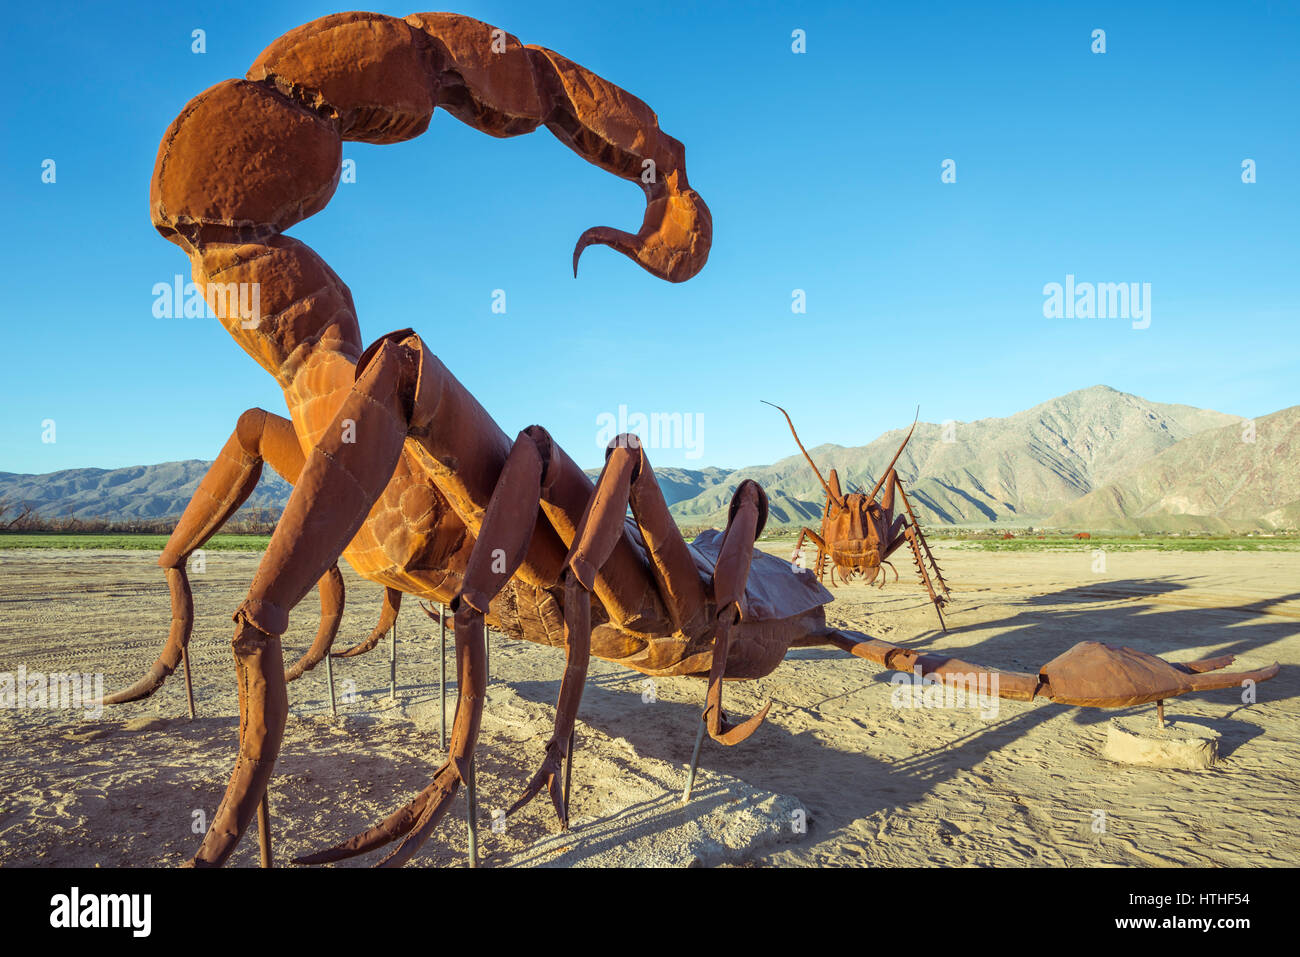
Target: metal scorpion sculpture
x=398 y=469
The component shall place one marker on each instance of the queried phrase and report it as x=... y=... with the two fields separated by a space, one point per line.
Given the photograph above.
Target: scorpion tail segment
x=263 y=709
x=178 y=639
x=331 y=614
x=577 y=653
x=833 y=495
x=387 y=616
x=674 y=240
x=748 y=510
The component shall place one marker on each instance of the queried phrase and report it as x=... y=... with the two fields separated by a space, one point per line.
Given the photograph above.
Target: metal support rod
x=472 y=815
x=189 y=681
x=1160 y=712
x=264 y=829
x=442 y=680
x=568 y=771
x=392 y=662
x=329 y=680
x=695 y=759
x=487 y=656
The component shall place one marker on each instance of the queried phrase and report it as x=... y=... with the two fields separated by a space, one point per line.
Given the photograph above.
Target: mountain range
x=1096 y=459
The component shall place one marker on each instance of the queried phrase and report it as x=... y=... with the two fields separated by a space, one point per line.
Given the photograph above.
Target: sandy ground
x=880 y=784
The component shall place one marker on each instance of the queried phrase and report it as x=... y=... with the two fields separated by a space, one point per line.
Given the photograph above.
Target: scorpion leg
x=331 y=590
x=259 y=437
x=387 y=617
x=577 y=654
x=499 y=551
x=628 y=480
x=747 y=516
x=416 y=819
x=337 y=487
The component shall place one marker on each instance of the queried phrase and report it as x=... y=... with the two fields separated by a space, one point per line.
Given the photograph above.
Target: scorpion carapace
x=859 y=533
x=399 y=470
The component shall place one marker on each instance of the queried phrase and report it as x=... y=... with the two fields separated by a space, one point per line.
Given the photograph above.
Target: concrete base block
x=1137 y=739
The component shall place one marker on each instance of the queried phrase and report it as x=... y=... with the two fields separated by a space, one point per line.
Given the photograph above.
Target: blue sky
x=822 y=171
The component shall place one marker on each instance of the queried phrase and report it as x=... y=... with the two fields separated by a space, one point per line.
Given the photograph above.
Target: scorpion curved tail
x=379 y=78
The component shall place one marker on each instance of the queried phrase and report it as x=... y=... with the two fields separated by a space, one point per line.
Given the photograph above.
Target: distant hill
x=1215 y=480
x=140 y=491
x=1017 y=469
x=1091 y=459
x=678 y=485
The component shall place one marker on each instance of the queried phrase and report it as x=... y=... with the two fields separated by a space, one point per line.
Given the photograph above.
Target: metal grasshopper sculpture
x=859 y=533
x=398 y=469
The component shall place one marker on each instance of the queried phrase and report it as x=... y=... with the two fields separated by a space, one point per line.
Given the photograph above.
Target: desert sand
x=875 y=784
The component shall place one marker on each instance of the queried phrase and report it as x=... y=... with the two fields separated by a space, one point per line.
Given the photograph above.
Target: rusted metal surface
x=400 y=471
x=859 y=533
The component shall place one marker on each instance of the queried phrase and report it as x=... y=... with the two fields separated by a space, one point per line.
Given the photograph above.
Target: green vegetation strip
x=1184 y=543
x=143 y=542
x=258 y=543
x=1057 y=543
